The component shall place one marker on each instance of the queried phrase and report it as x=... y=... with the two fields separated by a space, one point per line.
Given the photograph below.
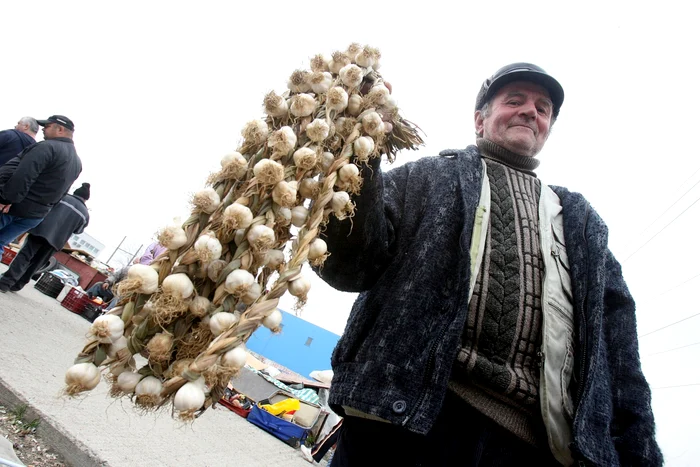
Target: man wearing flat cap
x=34 y=181
x=493 y=325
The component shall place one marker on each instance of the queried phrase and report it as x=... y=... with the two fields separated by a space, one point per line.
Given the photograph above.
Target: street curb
x=74 y=452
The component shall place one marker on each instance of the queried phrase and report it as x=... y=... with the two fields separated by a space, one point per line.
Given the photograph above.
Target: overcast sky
x=159 y=92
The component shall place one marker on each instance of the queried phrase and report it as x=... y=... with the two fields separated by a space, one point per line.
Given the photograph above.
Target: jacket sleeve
x=82 y=226
x=29 y=168
x=360 y=247
x=633 y=421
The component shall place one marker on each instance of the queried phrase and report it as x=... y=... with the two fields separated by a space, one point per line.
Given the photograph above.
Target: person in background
x=493 y=324
x=316 y=453
x=152 y=252
x=14 y=141
x=34 y=181
x=69 y=216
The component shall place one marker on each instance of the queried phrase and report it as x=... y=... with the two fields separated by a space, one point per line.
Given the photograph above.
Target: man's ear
x=478 y=123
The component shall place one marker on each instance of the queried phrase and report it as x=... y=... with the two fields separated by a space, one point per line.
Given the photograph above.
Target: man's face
x=21 y=126
x=518 y=119
x=52 y=130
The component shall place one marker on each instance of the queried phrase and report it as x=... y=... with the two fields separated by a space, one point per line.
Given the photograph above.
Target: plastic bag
x=287 y=406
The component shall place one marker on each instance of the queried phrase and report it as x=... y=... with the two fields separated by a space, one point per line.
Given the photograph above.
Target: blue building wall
x=301 y=346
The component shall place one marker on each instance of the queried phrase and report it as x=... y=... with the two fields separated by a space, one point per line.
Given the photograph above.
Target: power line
x=671 y=350
x=679 y=285
x=662 y=229
x=674 y=203
x=669 y=325
x=677 y=386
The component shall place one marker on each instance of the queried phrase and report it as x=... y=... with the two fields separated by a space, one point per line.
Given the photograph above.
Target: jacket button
x=399 y=407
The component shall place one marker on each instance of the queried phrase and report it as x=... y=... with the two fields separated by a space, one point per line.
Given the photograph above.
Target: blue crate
x=288 y=432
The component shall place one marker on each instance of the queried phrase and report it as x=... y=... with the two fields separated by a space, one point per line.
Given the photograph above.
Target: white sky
x=159 y=91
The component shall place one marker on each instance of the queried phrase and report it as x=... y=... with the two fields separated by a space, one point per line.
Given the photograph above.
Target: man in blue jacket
x=34 y=181
x=14 y=141
x=493 y=325
x=70 y=216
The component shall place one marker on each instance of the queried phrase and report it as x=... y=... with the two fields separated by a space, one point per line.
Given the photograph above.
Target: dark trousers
x=320 y=449
x=461 y=436
x=98 y=291
x=34 y=254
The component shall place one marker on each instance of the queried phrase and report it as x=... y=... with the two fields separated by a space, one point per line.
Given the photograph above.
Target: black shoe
x=15 y=289
x=4 y=288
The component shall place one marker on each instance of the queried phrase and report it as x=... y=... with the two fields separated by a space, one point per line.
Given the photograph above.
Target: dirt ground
x=29 y=447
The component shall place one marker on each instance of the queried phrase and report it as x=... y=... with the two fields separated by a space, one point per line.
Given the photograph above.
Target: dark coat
x=406 y=251
x=12 y=142
x=39 y=177
x=70 y=216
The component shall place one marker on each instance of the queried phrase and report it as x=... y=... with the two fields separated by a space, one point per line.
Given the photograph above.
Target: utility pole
x=116 y=249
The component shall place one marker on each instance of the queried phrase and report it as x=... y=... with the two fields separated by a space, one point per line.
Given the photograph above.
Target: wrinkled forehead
x=524 y=88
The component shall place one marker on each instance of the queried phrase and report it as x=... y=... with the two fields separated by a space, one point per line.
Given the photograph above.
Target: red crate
x=76 y=300
x=8 y=254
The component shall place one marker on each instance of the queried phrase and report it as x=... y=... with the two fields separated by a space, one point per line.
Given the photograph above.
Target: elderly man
x=14 y=141
x=493 y=326
x=34 y=181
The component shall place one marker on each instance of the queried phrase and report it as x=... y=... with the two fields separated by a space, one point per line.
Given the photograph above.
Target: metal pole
x=137 y=252
x=116 y=249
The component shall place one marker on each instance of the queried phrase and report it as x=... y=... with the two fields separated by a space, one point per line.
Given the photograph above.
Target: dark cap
x=60 y=119
x=521 y=72
x=83 y=191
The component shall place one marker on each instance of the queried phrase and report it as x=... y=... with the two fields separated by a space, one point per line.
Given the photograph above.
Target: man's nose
x=529 y=109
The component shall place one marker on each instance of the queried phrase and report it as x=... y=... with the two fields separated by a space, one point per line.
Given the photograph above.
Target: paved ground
x=39 y=340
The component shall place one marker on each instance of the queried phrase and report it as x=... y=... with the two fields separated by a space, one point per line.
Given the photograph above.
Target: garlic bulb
x=273 y=259
x=220 y=322
x=303 y=105
x=285 y=193
x=348 y=172
x=299 y=216
x=206 y=200
x=355 y=105
x=336 y=99
x=299 y=81
x=309 y=188
x=178 y=285
x=317 y=130
x=320 y=82
x=116 y=346
x=208 y=248
x=340 y=201
x=234 y=164
x=327 y=159
x=283 y=216
x=252 y=294
x=107 y=328
x=379 y=94
x=317 y=248
x=189 y=398
x=305 y=158
x=81 y=377
x=319 y=63
x=128 y=380
x=178 y=367
x=261 y=237
x=363 y=147
x=214 y=269
x=275 y=106
x=338 y=61
x=148 y=391
x=200 y=306
x=273 y=320
x=299 y=287
x=160 y=347
x=283 y=140
x=238 y=282
x=237 y=216
x=351 y=75
x=269 y=172
x=172 y=237
x=255 y=131
x=235 y=358
x=141 y=279
x=372 y=124
x=367 y=57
